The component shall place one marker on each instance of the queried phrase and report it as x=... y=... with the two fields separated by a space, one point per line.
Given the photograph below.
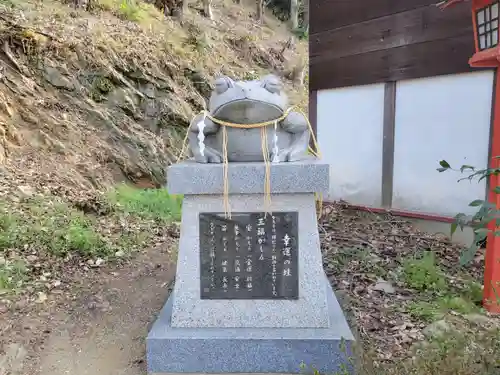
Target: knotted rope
x=265 y=153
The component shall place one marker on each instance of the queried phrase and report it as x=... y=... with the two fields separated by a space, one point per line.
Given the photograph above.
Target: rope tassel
x=227 y=207
x=267 y=177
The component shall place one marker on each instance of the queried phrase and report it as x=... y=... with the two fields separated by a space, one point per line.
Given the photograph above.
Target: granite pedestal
x=195 y=335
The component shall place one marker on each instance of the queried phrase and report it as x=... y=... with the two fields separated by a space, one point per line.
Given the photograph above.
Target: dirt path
x=102 y=332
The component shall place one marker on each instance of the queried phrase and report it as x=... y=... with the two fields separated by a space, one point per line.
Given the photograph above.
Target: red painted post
x=489 y=58
x=491 y=292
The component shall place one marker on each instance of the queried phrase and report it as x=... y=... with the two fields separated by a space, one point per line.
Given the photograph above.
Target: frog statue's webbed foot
x=201 y=152
x=210 y=155
x=297 y=125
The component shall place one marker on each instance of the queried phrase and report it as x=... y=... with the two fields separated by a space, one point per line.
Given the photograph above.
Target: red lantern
x=485 y=19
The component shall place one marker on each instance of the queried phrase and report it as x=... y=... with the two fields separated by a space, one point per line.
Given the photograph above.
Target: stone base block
x=249 y=350
x=191 y=178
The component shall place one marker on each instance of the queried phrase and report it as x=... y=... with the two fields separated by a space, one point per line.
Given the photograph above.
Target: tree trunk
x=302 y=75
x=81 y=4
x=306 y=16
x=207 y=9
x=185 y=7
x=294 y=14
x=178 y=9
x=260 y=10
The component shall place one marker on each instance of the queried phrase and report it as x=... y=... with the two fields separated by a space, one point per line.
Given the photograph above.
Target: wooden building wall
x=391 y=94
x=355 y=42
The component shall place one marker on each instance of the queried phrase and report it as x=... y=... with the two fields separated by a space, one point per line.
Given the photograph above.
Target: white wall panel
x=350 y=126
x=446 y=117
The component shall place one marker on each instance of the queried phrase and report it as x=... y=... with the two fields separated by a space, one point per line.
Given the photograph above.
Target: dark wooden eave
x=358 y=43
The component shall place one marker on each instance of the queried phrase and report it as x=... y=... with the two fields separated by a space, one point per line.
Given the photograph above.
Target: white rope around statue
x=265 y=152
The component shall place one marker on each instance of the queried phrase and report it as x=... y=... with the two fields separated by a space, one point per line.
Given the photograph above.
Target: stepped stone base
x=249 y=350
x=218 y=336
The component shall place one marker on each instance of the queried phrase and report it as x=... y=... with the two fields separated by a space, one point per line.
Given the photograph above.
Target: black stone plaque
x=250 y=256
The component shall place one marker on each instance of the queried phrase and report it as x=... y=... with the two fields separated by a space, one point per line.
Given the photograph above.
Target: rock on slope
x=88 y=99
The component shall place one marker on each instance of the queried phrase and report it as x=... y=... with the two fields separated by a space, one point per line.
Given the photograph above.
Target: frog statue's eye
x=272 y=84
x=222 y=84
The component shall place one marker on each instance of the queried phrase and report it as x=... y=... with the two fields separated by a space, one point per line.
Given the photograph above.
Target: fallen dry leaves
x=363 y=253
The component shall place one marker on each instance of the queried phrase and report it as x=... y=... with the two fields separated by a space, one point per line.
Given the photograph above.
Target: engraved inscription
x=250 y=256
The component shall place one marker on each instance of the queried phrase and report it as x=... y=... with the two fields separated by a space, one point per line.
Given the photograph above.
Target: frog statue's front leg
x=296 y=124
x=208 y=154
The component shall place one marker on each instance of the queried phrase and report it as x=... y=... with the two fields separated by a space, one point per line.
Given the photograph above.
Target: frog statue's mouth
x=247 y=111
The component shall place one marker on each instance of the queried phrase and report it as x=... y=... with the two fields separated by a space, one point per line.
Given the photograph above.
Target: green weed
x=12 y=274
x=8 y=3
x=423 y=274
x=458 y=304
x=365 y=260
x=8 y=224
x=155 y=204
x=54 y=227
x=458 y=352
x=60 y=230
x=473 y=291
x=301 y=33
x=200 y=42
x=430 y=311
x=426 y=311
x=251 y=75
x=131 y=10
x=454 y=352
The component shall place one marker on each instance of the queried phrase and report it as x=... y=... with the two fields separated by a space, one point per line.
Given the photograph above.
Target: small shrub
x=200 y=42
x=486 y=212
x=131 y=10
x=100 y=87
x=473 y=291
x=12 y=274
x=251 y=75
x=156 y=204
x=423 y=274
x=102 y=84
x=301 y=33
x=106 y=5
x=8 y=223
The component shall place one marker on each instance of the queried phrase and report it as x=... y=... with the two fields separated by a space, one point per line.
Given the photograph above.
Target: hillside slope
x=89 y=99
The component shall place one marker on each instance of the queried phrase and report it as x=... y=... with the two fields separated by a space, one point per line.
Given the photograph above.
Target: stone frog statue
x=249 y=102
